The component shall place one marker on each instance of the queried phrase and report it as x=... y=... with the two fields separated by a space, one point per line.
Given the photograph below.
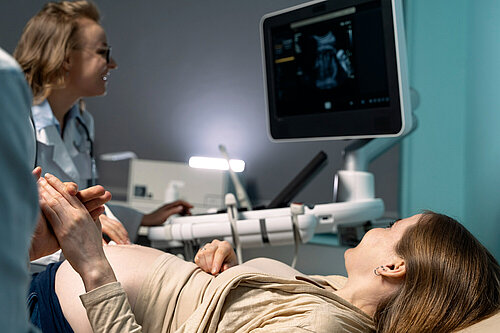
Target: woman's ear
x=397 y=270
x=66 y=65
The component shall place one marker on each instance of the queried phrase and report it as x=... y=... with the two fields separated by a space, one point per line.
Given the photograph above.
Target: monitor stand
x=354 y=187
x=354 y=182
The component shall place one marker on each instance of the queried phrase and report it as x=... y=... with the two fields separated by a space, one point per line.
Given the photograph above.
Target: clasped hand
x=91 y=201
x=77 y=228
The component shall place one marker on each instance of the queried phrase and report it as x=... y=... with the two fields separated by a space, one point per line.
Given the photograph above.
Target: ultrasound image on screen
x=317 y=71
x=323 y=57
x=332 y=66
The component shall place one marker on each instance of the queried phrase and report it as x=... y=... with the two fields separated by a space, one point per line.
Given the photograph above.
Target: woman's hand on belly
x=216 y=257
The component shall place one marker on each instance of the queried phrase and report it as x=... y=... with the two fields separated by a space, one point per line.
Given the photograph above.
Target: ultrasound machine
x=333 y=70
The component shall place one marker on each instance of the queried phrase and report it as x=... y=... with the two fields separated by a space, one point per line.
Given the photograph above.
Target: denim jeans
x=43 y=304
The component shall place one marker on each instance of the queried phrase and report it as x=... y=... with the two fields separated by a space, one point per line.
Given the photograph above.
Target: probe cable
x=232 y=214
x=296 y=209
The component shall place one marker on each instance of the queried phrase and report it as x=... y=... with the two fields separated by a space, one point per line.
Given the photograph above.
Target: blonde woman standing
x=65 y=56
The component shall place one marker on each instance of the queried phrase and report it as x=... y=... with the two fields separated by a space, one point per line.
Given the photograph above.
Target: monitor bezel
x=313 y=127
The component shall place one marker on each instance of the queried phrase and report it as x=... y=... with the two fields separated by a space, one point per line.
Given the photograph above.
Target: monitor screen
x=336 y=70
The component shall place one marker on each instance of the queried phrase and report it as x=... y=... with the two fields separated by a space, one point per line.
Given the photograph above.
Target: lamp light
x=214 y=163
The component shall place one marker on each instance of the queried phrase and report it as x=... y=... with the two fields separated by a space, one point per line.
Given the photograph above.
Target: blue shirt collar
x=44 y=117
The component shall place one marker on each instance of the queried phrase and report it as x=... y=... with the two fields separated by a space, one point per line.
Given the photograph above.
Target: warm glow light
x=216 y=163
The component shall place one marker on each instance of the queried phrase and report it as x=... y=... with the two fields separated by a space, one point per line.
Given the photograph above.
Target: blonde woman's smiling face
x=87 y=65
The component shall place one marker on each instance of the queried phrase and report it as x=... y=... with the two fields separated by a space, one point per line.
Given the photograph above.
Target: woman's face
x=377 y=247
x=88 y=68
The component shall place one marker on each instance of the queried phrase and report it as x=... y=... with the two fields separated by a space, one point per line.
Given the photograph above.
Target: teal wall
x=482 y=126
x=451 y=163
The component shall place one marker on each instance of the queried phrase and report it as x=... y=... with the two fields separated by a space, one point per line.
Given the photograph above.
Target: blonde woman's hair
x=451 y=282
x=46 y=41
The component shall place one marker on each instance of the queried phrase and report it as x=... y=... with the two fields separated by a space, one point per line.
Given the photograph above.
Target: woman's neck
x=61 y=102
x=363 y=302
x=365 y=295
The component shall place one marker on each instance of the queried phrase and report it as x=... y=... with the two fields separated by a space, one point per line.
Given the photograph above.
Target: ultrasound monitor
x=336 y=69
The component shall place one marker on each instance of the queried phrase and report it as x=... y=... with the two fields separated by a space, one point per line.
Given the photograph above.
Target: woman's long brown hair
x=451 y=282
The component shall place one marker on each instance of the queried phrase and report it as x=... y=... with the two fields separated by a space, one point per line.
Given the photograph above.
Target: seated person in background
x=426 y=273
x=65 y=56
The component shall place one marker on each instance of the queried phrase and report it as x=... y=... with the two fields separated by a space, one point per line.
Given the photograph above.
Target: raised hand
x=43 y=241
x=77 y=233
x=93 y=197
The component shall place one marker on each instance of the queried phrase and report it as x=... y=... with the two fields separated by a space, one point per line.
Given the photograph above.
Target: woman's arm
x=80 y=239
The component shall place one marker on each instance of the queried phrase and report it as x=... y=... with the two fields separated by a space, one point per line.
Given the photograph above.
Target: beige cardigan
x=262 y=295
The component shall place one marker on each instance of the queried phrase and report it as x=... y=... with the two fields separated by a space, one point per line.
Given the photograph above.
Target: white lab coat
x=69 y=157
